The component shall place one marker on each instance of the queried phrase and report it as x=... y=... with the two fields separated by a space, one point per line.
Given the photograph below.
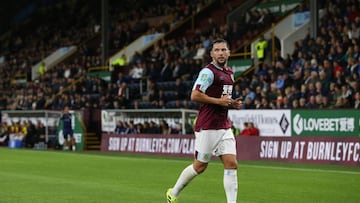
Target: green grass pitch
x=53 y=176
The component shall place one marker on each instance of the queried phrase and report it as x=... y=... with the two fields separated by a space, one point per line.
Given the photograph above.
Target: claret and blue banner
x=306 y=136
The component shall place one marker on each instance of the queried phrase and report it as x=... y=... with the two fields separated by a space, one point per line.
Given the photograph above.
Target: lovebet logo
x=341 y=124
x=298 y=124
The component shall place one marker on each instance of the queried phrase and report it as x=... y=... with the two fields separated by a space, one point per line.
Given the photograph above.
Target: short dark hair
x=219 y=40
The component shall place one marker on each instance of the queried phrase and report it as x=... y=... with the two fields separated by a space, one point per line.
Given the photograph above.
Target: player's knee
x=200 y=170
x=231 y=165
x=200 y=167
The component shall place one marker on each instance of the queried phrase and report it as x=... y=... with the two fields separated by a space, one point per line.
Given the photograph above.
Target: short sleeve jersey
x=215 y=82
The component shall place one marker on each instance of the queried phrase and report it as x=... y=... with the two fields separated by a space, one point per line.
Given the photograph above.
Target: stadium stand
x=88 y=55
x=321 y=72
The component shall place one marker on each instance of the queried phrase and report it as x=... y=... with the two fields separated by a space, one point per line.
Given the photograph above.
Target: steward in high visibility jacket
x=42 y=68
x=121 y=61
x=260 y=47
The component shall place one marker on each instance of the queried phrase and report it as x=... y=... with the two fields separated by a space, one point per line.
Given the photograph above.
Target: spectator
x=338 y=71
x=121 y=78
x=153 y=128
x=286 y=104
x=325 y=104
x=279 y=102
x=164 y=127
x=137 y=58
x=139 y=128
x=254 y=131
x=120 y=128
x=40 y=132
x=153 y=98
x=249 y=130
x=313 y=66
x=146 y=128
x=353 y=66
x=311 y=104
x=137 y=72
x=236 y=92
x=245 y=131
x=153 y=72
x=180 y=90
x=280 y=82
x=30 y=138
x=357 y=100
x=132 y=129
x=295 y=104
x=4 y=134
x=302 y=103
x=166 y=71
x=163 y=99
x=346 y=94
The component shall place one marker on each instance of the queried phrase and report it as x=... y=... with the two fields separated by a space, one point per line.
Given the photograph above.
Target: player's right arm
x=198 y=96
x=204 y=80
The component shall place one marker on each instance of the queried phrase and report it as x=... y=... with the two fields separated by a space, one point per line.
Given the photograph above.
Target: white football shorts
x=214 y=142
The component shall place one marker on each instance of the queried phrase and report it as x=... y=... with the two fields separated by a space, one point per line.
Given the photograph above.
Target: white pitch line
x=239 y=165
x=300 y=169
x=285 y=168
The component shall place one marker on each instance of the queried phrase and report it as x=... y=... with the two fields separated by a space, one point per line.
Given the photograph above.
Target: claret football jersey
x=215 y=82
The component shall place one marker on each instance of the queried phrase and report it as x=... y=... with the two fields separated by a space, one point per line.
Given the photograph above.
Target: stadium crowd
x=151 y=127
x=322 y=72
x=37 y=94
x=27 y=132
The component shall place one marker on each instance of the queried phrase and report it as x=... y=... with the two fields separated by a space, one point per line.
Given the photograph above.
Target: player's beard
x=221 y=61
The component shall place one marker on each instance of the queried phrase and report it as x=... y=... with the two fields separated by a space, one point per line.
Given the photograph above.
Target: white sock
x=230 y=185
x=185 y=177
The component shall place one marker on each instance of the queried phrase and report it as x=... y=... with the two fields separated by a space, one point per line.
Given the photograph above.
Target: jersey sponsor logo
x=227 y=89
x=203 y=77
